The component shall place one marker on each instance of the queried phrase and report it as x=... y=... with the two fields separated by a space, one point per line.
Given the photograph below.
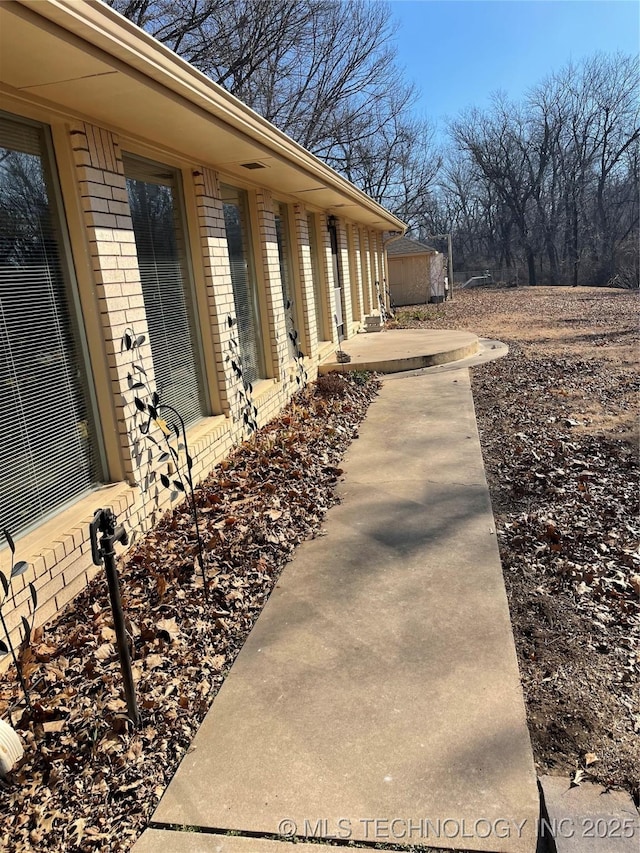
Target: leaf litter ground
x=558 y=420
x=90 y=782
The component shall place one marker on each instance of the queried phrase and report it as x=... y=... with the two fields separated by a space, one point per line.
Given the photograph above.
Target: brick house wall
x=88 y=156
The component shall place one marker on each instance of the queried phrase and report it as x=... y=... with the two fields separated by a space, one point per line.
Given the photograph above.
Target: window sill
x=49 y=545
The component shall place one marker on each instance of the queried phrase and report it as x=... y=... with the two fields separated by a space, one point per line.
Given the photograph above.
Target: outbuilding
x=416 y=272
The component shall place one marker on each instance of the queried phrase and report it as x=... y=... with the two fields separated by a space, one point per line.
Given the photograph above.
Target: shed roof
x=407 y=246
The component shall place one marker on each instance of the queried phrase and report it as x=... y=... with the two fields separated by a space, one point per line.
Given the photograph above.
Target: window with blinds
x=280 y=214
x=243 y=278
x=158 y=226
x=49 y=453
x=337 y=278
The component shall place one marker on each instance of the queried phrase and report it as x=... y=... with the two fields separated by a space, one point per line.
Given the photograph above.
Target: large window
x=49 y=454
x=245 y=292
x=280 y=214
x=332 y=225
x=158 y=226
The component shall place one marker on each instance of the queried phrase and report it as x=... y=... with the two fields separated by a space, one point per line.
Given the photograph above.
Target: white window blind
x=48 y=448
x=156 y=210
x=245 y=293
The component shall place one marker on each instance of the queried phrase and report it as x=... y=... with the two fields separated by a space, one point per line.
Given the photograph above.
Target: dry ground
x=558 y=419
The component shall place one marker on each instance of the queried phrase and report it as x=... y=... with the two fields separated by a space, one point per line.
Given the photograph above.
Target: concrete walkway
x=377 y=698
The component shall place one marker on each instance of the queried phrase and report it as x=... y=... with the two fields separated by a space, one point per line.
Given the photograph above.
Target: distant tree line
x=548 y=185
x=551 y=181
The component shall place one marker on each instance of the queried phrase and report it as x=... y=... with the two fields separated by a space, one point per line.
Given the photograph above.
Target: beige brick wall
x=58 y=549
x=219 y=288
x=309 y=332
x=377 y=270
x=357 y=297
x=343 y=261
x=326 y=264
x=111 y=244
x=365 y=258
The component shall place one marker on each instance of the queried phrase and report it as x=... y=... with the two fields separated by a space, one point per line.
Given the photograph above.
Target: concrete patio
x=398 y=350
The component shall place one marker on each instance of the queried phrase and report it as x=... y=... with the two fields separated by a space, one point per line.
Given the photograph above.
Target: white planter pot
x=11 y=749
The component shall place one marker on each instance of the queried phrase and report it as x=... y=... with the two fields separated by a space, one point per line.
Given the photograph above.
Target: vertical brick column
x=373 y=244
x=380 y=262
x=356 y=283
x=375 y=272
x=217 y=269
x=366 y=271
x=109 y=231
x=386 y=291
x=273 y=285
x=305 y=277
x=343 y=260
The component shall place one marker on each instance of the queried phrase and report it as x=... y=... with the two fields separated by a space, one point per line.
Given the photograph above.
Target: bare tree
x=563 y=164
x=504 y=147
x=323 y=72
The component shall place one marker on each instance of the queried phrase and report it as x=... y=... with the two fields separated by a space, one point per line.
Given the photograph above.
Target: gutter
x=112 y=33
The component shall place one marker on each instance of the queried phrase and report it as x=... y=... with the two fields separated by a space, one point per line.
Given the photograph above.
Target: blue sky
x=458 y=52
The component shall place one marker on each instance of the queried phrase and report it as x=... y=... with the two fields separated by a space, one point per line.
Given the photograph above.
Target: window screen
x=48 y=448
x=156 y=210
x=286 y=275
x=245 y=294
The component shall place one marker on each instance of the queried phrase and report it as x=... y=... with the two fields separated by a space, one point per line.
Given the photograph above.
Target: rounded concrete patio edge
x=488 y=350
x=399 y=350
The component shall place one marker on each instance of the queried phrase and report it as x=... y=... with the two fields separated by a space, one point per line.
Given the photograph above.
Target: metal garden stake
x=104 y=522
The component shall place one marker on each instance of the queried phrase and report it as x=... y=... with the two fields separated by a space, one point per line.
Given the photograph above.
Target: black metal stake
x=104 y=521
x=192 y=497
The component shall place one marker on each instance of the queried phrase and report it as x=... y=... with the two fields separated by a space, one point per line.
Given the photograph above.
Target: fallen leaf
x=53 y=726
x=577 y=778
x=105 y=651
x=168 y=628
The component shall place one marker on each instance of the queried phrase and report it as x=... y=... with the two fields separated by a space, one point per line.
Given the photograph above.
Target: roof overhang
x=85 y=59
